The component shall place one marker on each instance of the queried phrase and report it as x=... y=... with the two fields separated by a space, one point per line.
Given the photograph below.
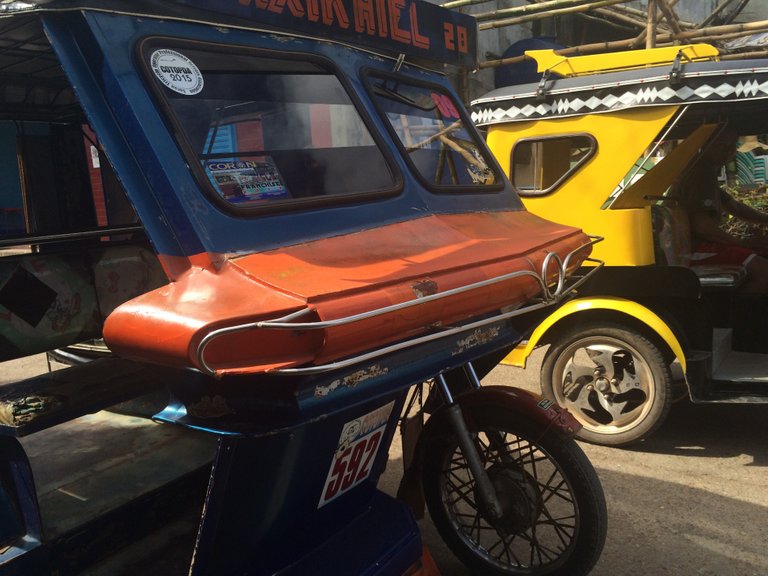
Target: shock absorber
x=486 y=490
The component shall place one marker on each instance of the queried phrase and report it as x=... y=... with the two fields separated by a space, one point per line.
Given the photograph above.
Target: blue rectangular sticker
x=239 y=181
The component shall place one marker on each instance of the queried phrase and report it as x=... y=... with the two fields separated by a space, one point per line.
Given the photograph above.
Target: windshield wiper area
x=397 y=93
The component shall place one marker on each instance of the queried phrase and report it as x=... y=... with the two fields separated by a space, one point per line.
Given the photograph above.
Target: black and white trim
x=565 y=97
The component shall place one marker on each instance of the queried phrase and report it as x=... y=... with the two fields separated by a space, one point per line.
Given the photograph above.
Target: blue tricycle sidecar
x=278 y=212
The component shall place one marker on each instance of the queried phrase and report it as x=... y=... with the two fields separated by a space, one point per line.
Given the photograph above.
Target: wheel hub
x=603 y=385
x=518 y=497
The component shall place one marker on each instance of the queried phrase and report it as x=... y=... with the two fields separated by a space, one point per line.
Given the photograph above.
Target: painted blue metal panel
x=180 y=219
x=21 y=551
x=167 y=226
x=415 y=28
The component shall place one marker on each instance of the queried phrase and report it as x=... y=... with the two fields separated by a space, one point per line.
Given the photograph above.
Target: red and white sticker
x=358 y=445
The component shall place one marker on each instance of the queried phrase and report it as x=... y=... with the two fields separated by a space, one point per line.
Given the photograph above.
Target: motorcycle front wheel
x=554 y=516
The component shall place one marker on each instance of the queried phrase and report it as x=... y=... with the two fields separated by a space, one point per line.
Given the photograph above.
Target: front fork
x=485 y=489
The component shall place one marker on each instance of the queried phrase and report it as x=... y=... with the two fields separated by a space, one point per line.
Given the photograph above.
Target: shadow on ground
x=712 y=431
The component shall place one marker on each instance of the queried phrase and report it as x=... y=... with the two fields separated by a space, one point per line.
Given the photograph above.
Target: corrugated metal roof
x=31 y=79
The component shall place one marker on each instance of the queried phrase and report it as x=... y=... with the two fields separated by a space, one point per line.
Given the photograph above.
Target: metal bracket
x=541 y=90
x=676 y=75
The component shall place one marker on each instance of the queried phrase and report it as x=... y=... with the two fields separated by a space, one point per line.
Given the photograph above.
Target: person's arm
x=707 y=229
x=742 y=211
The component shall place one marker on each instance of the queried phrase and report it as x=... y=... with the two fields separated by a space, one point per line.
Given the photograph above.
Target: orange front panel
x=165 y=325
x=406 y=250
x=339 y=277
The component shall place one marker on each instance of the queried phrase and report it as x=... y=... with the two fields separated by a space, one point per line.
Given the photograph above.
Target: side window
x=537 y=167
x=56 y=180
x=427 y=122
x=266 y=130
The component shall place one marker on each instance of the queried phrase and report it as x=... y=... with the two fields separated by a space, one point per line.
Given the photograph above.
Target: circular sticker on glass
x=177 y=72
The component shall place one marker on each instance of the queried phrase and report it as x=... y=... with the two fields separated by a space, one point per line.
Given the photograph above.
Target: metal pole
x=486 y=491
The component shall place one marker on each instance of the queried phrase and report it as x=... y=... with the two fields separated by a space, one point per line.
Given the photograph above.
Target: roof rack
x=553 y=63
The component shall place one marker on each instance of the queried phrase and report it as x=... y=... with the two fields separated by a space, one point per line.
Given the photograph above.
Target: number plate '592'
x=358 y=445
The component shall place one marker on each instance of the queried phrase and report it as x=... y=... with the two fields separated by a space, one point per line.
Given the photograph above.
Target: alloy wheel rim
x=605 y=383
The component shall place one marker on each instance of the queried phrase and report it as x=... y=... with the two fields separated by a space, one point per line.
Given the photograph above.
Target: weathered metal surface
x=43 y=401
x=419 y=29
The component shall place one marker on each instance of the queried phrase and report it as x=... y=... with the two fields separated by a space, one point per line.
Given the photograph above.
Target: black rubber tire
x=560 y=467
x=639 y=412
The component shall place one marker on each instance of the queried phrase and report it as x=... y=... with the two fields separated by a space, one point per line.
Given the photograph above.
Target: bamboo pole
x=703 y=34
x=745 y=55
x=536 y=7
x=716 y=12
x=638 y=11
x=630 y=16
x=627 y=14
x=711 y=34
x=634 y=12
x=640 y=14
x=460 y=3
x=607 y=21
x=670 y=15
x=502 y=61
x=534 y=12
x=725 y=37
x=741 y=29
x=639 y=22
x=623 y=18
x=613 y=12
x=650 y=31
x=541 y=15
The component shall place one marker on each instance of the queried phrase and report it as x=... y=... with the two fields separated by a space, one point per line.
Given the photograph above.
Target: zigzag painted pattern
x=647 y=96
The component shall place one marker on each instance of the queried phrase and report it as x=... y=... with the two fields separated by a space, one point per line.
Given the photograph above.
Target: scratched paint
x=351 y=380
x=476 y=338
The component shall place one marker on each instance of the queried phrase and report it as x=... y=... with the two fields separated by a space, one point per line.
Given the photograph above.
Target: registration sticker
x=177 y=72
x=358 y=445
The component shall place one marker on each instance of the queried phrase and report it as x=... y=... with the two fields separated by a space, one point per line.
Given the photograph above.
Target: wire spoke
x=543 y=533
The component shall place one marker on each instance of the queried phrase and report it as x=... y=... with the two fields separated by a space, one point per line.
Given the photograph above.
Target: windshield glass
x=267 y=130
x=427 y=123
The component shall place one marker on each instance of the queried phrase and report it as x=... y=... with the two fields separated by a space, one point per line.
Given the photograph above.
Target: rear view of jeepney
x=606 y=142
x=280 y=234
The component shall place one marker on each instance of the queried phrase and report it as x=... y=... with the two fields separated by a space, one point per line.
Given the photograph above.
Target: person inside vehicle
x=707 y=203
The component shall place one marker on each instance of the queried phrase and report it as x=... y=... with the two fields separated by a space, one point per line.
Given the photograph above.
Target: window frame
x=563 y=177
x=143 y=49
x=369 y=74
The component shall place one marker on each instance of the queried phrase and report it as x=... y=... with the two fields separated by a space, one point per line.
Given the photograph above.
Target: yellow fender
x=519 y=356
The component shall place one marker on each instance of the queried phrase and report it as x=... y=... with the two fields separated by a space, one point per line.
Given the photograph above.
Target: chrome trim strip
x=549 y=295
